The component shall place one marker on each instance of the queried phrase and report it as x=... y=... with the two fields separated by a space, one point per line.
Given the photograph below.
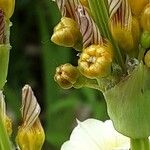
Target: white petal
x=93 y=134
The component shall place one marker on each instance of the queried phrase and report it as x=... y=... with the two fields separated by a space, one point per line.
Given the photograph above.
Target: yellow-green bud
x=8 y=7
x=147 y=59
x=145 y=18
x=32 y=138
x=95 y=61
x=66 y=75
x=145 y=40
x=30 y=134
x=138 y=6
x=67 y=34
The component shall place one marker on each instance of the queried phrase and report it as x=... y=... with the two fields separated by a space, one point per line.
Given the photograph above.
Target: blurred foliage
x=33 y=61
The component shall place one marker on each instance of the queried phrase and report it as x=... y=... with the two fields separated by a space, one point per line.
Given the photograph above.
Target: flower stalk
x=140 y=144
x=6 y=11
x=4 y=140
x=5 y=47
x=4 y=60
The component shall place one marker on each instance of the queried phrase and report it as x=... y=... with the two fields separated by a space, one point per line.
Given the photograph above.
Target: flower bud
x=123 y=37
x=67 y=34
x=30 y=134
x=145 y=40
x=95 y=61
x=32 y=138
x=8 y=7
x=137 y=7
x=147 y=59
x=66 y=75
x=145 y=18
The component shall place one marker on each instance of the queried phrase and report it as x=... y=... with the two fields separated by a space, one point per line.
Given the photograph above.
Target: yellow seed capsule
x=95 y=61
x=145 y=18
x=31 y=138
x=138 y=6
x=66 y=75
x=67 y=34
x=8 y=7
x=147 y=59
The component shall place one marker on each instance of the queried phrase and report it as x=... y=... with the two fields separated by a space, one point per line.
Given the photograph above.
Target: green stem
x=4 y=55
x=4 y=139
x=140 y=144
x=86 y=82
x=4 y=60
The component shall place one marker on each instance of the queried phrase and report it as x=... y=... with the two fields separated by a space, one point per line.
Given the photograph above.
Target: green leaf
x=128 y=103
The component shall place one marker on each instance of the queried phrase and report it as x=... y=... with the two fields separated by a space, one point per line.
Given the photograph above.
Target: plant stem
x=4 y=60
x=4 y=140
x=85 y=82
x=140 y=144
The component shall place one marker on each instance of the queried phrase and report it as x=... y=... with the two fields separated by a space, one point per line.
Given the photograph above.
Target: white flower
x=93 y=134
